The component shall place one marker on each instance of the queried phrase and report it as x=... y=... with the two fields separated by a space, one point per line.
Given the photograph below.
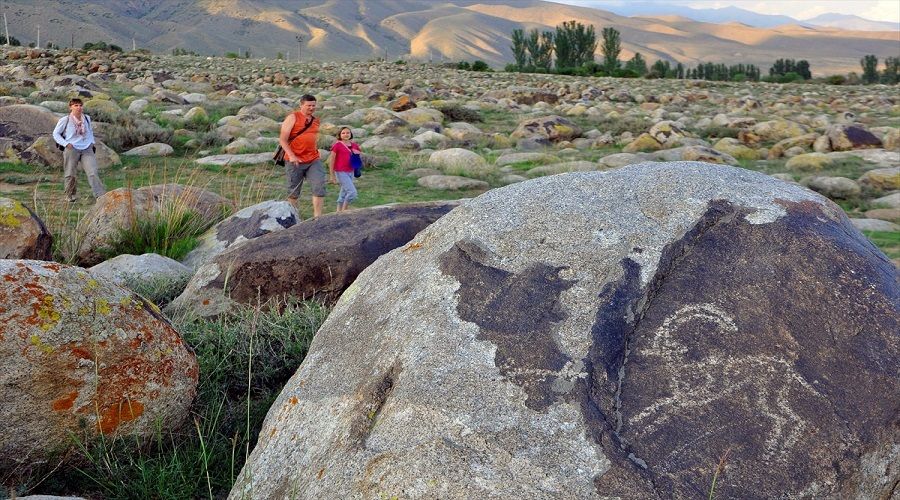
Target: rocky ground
x=464 y=130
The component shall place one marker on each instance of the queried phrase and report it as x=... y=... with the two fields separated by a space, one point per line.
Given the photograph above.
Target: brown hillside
x=420 y=30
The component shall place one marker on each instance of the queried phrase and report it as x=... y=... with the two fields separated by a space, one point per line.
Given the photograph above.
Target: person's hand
x=332 y=180
x=69 y=146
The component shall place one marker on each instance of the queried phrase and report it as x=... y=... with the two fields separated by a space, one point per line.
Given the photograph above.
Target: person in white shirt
x=75 y=136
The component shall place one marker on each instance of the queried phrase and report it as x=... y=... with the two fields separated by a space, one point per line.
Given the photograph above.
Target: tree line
x=570 y=48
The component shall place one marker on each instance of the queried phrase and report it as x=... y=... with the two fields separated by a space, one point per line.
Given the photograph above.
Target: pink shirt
x=342 y=156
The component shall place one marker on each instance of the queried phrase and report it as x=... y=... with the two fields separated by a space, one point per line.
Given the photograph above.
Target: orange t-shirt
x=304 y=145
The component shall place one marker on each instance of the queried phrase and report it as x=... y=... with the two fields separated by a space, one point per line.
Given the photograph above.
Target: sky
x=876 y=10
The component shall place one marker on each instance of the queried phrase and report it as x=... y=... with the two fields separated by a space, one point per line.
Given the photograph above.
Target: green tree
x=533 y=47
x=660 y=69
x=869 y=65
x=891 y=73
x=637 y=64
x=611 y=48
x=803 y=69
x=518 y=48
x=12 y=41
x=564 y=45
x=575 y=44
x=546 y=51
x=479 y=65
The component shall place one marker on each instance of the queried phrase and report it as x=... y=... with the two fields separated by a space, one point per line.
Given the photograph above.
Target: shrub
x=463 y=65
x=480 y=66
x=127 y=131
x=171 y=231
x=12 y=41
x=718 y=132
x=160 y=290
x=616 y=126
x=836 y=80
x=231 y=55
x=457 y=113
x=101 y=46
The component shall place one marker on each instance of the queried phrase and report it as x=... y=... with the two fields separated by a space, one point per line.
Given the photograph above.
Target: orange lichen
x=205 y=302
x=81 y=353
x=113 y=416
x=65 y=402
x=293 y=400
x=53 y=266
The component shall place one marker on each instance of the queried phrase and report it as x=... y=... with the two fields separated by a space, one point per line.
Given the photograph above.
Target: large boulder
x=80 y=357
x=239 y=159
x=834 y=187
x=120 y=208
x=847 y=137
x=777 y=130
x=245 y=225
x=553 y=128
x=420 y=116
x=667 y=133
x=604 y=334
x=882 y=178
x=23 y=123
x=152 y=149
x=23 y=234
x=318 y=258
x=457 y=159
x=146 y=268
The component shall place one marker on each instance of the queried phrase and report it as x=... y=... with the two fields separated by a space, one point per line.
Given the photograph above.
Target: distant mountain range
x=850 y=22
x=738 y=15
x=427 y=30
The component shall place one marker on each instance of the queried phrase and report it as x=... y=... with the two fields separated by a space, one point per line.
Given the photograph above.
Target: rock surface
x=677 y=314
x=147 y=267
x=23 y=234
x=318 y=258
x=79 y=357
x=120 y=208
x=245 y=225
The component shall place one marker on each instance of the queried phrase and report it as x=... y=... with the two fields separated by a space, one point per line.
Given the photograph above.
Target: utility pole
x=38 y=37
x=133 y=44
x=72 y=45
x=299 y=46
x=7 y=29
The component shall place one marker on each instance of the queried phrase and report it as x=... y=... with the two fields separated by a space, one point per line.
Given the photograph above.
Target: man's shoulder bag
x=278 y=157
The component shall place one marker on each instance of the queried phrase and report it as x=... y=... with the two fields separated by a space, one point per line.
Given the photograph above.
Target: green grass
x=887 y=242
x=245 y=358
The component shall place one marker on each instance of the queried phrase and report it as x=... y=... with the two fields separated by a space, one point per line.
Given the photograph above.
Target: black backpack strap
x=66 y=126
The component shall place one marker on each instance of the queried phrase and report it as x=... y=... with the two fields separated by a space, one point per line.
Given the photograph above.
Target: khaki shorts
x=297 y=172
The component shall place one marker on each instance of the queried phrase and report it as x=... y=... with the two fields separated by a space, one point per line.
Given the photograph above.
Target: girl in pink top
x=339 y=169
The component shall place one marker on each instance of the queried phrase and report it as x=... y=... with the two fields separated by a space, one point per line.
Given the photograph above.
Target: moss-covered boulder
x=23 y=234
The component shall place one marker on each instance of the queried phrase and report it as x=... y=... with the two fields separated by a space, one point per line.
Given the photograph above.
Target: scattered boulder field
x=652 y=275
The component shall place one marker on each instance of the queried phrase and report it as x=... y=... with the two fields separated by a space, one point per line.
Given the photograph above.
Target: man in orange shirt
x=298 y=139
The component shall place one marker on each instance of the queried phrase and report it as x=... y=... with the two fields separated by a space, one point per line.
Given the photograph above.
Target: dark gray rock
x=318 y=258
